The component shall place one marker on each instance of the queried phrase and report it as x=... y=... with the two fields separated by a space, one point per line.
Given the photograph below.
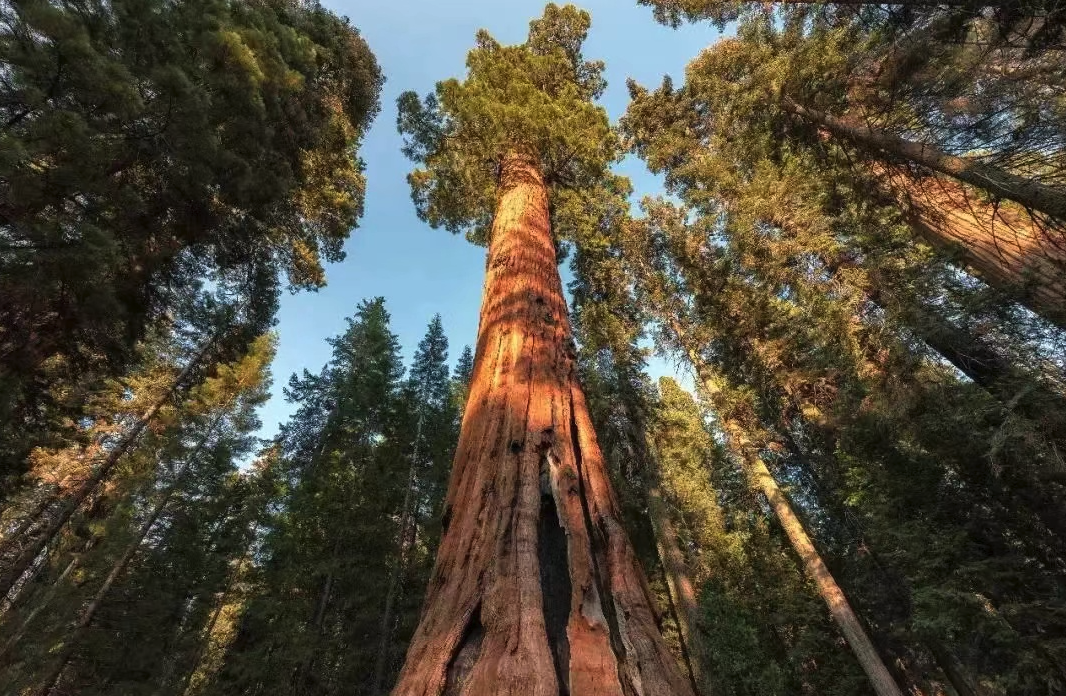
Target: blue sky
x=421 y=271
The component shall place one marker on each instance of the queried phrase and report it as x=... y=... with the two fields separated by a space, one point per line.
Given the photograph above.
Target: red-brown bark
x=1000 y=244
x=1006 y=246
x=536 y=590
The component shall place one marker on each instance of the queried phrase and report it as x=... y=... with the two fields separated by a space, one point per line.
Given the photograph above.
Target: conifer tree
x=536 y=589
x=227 y=129
x=114 y=605
x=953 y=146
x=347 y=549
x=798 y=371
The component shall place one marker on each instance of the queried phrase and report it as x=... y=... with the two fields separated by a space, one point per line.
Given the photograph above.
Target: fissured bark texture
x=536 y=590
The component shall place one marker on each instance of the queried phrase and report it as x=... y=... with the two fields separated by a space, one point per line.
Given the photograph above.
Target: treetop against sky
x=421 y=271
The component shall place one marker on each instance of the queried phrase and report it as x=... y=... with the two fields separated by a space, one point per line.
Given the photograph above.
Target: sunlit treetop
x=534 y=100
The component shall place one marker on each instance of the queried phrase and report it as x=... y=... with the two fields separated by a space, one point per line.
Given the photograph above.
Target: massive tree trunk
x=998 y=243
x=536 y=590
x=13 y=571
x=1005 y=247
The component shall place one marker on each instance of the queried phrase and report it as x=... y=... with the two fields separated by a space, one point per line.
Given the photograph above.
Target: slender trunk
x=536 y=590
x=27 y=521
x=47 y=599
x=678 y=583
x=196 y=672
x=1023 y=392
x=406 y=514
x=839 y=608
x=13 y=572
x=303 y=670
x=54 y=675
x=955 y=671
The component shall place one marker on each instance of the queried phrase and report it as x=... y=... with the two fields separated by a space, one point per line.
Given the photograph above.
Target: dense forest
x=856 y=485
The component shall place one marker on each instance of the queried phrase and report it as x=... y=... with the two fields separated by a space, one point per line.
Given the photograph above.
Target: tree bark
x=1002 y=184
x=1000 y=245
x=679 y=584
x=302 y=674
x=839 y=608
x=10 y=575
x=536 y=590
x=196 y=669
x=759 y=476
x=1027 y=394
x=47 y=599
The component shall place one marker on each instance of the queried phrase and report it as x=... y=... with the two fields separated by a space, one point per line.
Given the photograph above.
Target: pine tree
x=152 y=563
x=951 y=145
x=229 y=130
x=464 y=371
x=798 y=371
x=347 y=550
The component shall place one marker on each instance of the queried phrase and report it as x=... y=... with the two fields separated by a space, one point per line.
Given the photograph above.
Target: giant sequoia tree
x=963 y=144
x=536 y=589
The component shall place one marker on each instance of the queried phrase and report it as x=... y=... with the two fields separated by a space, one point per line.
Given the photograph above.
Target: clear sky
x=420 y=271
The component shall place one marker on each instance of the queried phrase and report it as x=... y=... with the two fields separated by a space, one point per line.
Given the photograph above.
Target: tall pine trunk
x=760 y=478
x=393 y=590
x=45 y=601
x=1004 y=248
x=678 y=583
x=85 y=619
x=536 y=590
x=839 y=608
x=13 y=572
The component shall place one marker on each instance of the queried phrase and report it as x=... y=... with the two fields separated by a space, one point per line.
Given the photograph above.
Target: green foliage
x=150 y=146
x=336 y=543
x=150 y=620
x=533 y=100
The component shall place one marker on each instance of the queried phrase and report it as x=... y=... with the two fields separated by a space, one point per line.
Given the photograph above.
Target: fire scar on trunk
x=536 y=590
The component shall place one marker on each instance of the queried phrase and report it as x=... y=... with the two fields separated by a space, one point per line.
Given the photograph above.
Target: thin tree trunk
x=53 y=676
x=11 y=574
x=1026 y=394
x=47 y=599
x=186 y=681
x=679 y=584
x=839 y=608
x=303 y=670
x=381 y=662
x=536 y=590
x=955 y=671
x=27 y=521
